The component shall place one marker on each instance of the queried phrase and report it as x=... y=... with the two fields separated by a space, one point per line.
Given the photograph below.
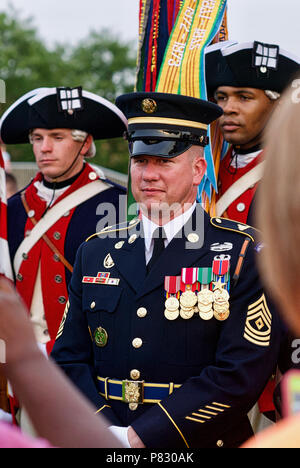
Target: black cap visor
x=161 y=143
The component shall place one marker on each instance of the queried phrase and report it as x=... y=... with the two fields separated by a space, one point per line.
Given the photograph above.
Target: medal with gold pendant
x=187 y=312
x=171 y=314
x=205 y=304
x=221 y=301
x=172 y=289
x=188 y=298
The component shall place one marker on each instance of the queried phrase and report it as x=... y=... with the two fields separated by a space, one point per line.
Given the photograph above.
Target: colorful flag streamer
x=173 y=35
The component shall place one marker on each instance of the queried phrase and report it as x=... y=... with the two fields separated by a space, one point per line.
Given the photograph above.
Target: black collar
x=64 y=183
x=253 y=149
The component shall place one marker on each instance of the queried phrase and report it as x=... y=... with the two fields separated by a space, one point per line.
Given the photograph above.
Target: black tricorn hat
x=252 y=64
x=71 y=108
x=166 y=125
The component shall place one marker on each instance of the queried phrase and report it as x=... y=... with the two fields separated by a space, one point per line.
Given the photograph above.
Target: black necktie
x=159 y=245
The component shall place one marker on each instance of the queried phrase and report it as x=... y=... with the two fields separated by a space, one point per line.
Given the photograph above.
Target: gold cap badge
x=149 y=106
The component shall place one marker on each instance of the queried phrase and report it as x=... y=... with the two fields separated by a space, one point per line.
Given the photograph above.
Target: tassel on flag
x=5 y=264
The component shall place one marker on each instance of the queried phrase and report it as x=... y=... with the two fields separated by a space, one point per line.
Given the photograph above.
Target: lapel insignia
x=108 y=262
x=258 y=323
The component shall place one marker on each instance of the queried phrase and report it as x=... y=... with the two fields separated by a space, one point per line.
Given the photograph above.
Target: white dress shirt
x=171 y=229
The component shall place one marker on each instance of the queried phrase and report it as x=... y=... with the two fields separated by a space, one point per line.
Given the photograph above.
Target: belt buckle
x=133 y=391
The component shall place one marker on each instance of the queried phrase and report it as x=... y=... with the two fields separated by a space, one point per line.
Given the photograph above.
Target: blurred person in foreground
x=278 y=219
x=62 y=418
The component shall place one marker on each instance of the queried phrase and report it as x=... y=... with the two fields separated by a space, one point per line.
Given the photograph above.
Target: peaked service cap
x=166 y=125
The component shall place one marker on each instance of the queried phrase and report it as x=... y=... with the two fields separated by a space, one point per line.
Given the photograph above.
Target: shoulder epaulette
x=126 y=226
x=235 y=226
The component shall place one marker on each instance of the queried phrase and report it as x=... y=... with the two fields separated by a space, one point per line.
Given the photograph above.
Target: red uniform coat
x=66 y=234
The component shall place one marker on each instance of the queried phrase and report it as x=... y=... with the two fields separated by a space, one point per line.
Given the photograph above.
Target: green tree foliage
x=100 y=63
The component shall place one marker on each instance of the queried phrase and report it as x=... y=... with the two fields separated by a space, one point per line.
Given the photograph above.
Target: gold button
x=137 y=343
x=142 y=312
x=93 y=305
x=133 y=406
x=132 y=239
x=119 y=245
x=193 y=238
x=133 y=221
x=220 y=443
x=135 y=374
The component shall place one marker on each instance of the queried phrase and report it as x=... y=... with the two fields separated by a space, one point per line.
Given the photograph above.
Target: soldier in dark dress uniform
x=168 y=330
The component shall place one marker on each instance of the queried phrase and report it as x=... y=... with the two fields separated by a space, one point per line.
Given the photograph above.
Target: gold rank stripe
x=215 y=409
x=221 y=404
x=167 y=121
x=202 y=413
x=207 y=412
x=201 y=416
x=195 y=420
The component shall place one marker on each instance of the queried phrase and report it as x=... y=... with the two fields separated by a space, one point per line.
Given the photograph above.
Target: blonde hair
x=278 y=208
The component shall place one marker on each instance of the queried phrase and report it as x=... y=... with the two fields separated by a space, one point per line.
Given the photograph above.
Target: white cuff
x=121 y=434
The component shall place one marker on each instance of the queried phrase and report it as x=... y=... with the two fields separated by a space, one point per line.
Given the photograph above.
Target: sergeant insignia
x=258 y=323
x=149 y=106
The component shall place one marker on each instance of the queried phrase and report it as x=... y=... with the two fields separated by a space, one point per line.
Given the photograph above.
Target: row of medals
x=207 y=303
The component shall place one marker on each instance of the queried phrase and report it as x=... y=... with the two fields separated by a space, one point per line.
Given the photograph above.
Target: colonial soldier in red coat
x=246 y=80
x=53 y=215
